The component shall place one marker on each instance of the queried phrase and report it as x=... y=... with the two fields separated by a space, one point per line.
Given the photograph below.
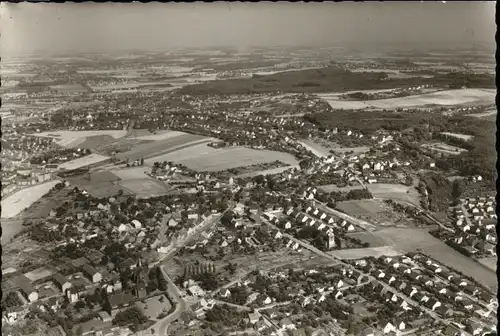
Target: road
x=369 y=276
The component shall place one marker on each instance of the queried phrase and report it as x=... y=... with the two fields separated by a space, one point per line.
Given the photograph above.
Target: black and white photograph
x=248 y=169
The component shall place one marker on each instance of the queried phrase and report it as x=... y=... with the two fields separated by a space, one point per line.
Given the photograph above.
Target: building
x=26 y=288
x=140 y=279
x=61 y=282
x=91 y=273
x=119 y=301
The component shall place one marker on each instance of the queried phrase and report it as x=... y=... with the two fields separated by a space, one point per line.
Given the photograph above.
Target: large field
x=397 y=192
x=73 y=138
x=14 y=204
x=365 y=252
x=168 y=143
x=144 y=188
x=232 y=157
x=104 y=189
x=444 y=148
x=444 y=98
x=365 y=207
x=83 y=161
x=412 y=240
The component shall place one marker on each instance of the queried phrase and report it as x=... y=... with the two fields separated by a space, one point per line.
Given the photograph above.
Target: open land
x=333 y=187
x=152 y=307
x=14 y=204
x=490 y=262
x=362 y=207
x=359 y=253
x=398 y=192
x=412 y=240
x=368 y=237
x=444 y=148
x=457 y=135
x=449 y=97
x=84 y=161
x=69 y=138
x=144 y=188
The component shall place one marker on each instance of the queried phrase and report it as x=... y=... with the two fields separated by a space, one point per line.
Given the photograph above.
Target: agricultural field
x=73 y=138
x=444 y=98
x=95 y=177
x=132 y=173
x=359 y=253
x=413 y=240
x=68 y=88
x=83 y=161
x=182 y=153
x=315 y=148
x=234 y=157
x=444 y=148
x=272 y=171
x=489 y=113
x=104 y=189
x=14 y=204
x=397 y=192
x=365 y=207
x=333 y=187
x=161 y=136
x=368 y=237
x=144 y=188
x=154 y=148
x=92 y=142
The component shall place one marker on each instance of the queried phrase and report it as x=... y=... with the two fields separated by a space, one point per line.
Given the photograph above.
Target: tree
x=456 y=190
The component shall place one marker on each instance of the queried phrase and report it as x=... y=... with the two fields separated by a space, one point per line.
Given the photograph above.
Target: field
x=68 y=88
x=144 y=188
x=180 y=153
x=160 y=136
x=368 y=237
x=397 y=192
x=152 y=307
x=444 y=148
x=272 y=171
x=457 y=135
x=38 y=274
x=333 y=187
x=158 y=147
x=412 y=240
x=365 y=252
x=232 y=157
x=96 y=177
x=104 y=189
x=92 y=142
x=315 y=148
x=14 y=204
x=132 y=173
x=83 y=161
x=490 y=262
x=73 y=138
x=448 y=97
x=362 y=207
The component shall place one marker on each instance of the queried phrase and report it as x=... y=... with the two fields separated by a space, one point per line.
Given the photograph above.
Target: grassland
x=360 y=207
x=144 y=188
x=365 y=252
x=398 y=192
x=490 y=262
x=412 y=240
x=333 y=187
x=83 y=161
x=72 y=138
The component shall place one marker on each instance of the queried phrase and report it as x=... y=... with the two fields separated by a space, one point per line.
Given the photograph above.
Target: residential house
x=61 y=282
x=254 y=317
x=26 y=288
x=92 y=273
x=119 y=301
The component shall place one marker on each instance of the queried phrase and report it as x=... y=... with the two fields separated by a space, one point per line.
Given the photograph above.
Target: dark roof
x=25 y=284
x=89 y=269
x=59 y=279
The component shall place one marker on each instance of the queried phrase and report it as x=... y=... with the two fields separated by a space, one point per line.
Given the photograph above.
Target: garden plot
x=14 y=204
x=83 y=161
x=397 y=192
x=444 y=98
x=70 y=138
x=144 y=188
x=236 y=157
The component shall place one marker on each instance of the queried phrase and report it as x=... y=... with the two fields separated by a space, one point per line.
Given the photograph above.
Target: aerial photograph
x=247 y=169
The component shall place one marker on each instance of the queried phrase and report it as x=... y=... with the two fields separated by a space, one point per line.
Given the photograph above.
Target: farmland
x=185 y=153
x=232 y=157
x=368 y=237
x=73 y=138
x=14 y=204
x=361 y=207
x=444 y=148
x=333 y=187
x=398 y=192
x=411 y=240
x=365 y=252
x=132 y=173
x=144 y=188
x=104 y=189
x=153 y=148
x=444 y=98
x=84 y=161
x=459 y=136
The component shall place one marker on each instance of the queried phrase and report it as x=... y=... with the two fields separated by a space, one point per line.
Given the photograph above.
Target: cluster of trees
x=439 y=191
x=207 y=280
x=131 y=316
x=225 y=316
x=41 y=234
x=337 y=196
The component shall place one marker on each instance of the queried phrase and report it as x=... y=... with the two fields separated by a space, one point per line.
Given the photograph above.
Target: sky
x=28 y=28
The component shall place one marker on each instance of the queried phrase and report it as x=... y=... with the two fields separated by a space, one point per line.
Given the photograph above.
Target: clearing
x=17 y=202
x=398 y=192
x=365 y=252
x=447 y=97
x=83 y=161
x=413 y=240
